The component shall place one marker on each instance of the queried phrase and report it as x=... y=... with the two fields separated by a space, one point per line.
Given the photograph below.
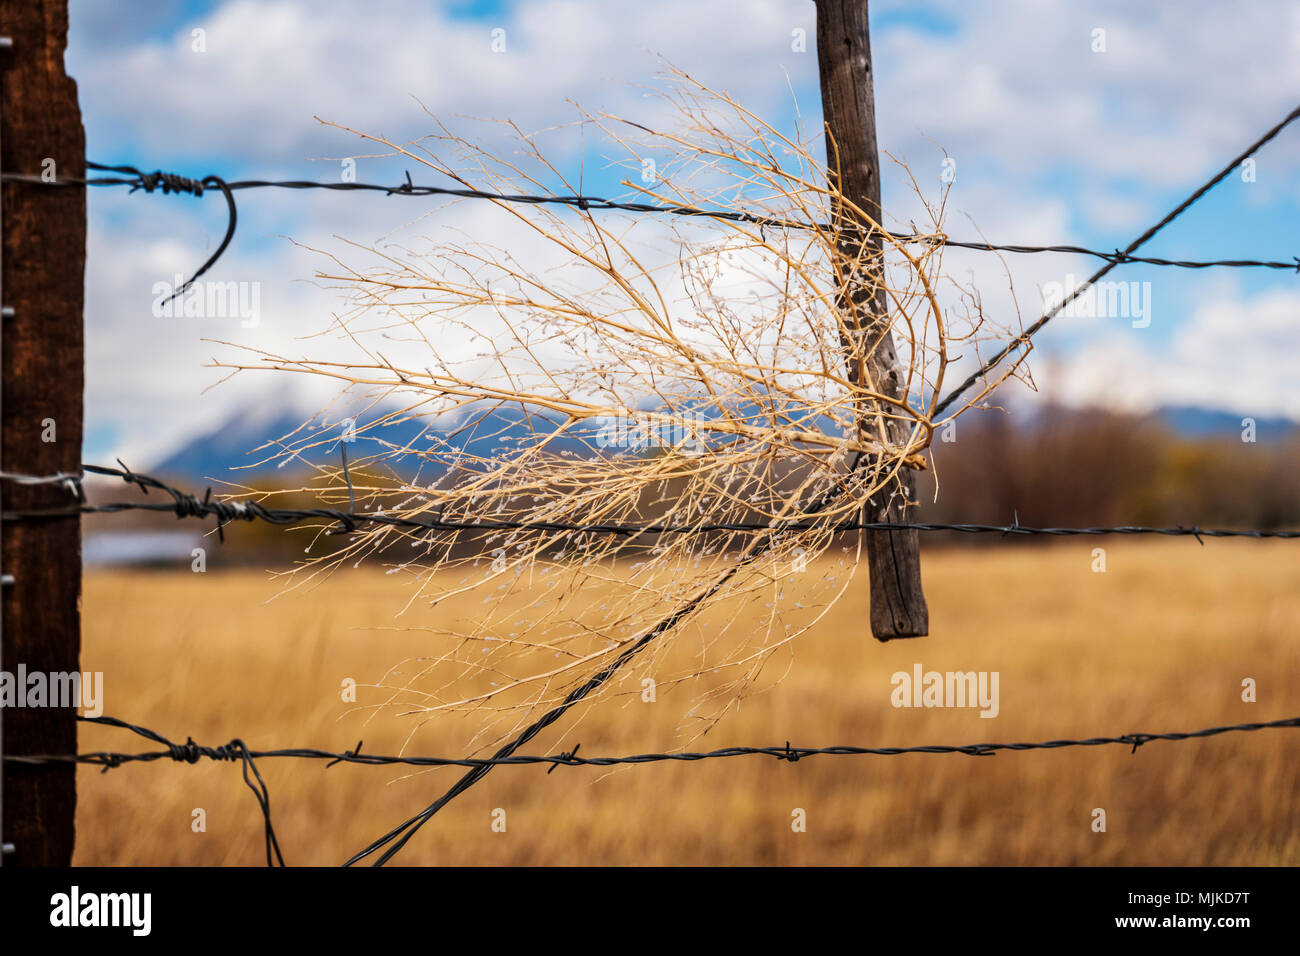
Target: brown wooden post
x=898 y=606
x=42 y=260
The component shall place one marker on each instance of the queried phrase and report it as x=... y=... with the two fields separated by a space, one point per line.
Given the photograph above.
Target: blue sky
x=1054 y=142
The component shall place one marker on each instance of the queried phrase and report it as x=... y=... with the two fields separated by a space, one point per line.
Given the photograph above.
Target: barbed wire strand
x=1023 y=339
x=186 y=505
x=169 y=183
x=191 y=753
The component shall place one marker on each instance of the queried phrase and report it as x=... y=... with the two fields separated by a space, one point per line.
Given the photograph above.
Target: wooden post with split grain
x=42 y=260
x=898 y=606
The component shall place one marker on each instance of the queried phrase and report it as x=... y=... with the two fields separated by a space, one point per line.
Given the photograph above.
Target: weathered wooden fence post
x=42 y=260
x=898 y=606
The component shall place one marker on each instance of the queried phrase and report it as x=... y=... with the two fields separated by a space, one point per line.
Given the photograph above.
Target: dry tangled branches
x=584 y=377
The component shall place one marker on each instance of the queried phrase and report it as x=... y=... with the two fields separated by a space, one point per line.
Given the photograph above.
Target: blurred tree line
x=1060 y=467
x=1089 y=467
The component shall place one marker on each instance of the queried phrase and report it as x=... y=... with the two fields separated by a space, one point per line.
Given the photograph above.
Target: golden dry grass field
x=1160 y=642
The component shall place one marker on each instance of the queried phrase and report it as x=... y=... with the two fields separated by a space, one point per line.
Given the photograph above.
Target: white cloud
x=1017 y=97
x=268 y=67
x=1234 y=353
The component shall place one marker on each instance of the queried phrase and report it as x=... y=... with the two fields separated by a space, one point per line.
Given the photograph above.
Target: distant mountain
x=226 y=453
x=1190 y=421
x=217 y=454
x=238 y=450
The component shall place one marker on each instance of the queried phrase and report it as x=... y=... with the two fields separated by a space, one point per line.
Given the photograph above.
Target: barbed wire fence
x=187 y=505
x=237 y=750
